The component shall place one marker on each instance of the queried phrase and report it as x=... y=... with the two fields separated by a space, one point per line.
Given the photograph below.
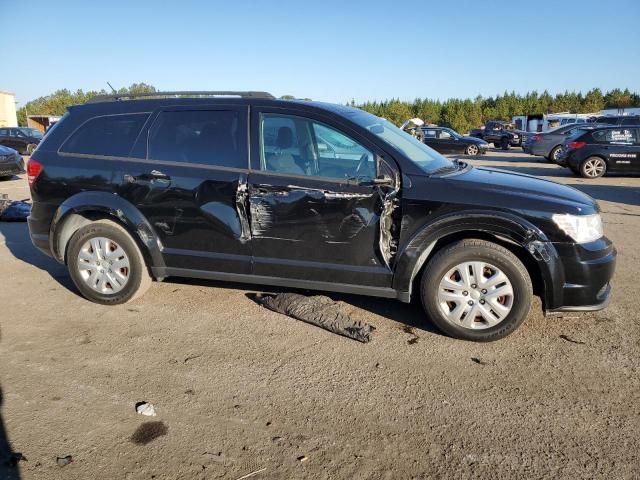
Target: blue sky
x=327 y=50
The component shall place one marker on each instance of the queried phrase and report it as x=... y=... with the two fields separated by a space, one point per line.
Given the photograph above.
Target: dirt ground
x=240 y=389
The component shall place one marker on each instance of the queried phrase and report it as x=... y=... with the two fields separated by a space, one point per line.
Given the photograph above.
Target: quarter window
x=209 y=137
x=298 y=146
x=111 y=135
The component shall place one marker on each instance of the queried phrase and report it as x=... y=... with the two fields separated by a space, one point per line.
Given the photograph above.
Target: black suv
x=23 y=139
x=306 y=195
x=617 y=119
x=591 y=153
x=501 y=134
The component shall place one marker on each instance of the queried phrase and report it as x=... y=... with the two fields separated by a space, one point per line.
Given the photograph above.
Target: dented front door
x=318 y=230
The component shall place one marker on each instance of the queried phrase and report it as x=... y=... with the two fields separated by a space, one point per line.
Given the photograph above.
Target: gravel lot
x=238 y=388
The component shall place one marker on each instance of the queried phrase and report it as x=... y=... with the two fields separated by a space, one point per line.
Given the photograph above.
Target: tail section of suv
x=306 y=195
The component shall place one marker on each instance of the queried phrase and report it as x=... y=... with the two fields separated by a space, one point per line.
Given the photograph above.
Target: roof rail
x=131 y=96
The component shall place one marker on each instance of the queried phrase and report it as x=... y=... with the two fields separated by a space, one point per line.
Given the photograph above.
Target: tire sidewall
x=440 y=265
x=100 y=229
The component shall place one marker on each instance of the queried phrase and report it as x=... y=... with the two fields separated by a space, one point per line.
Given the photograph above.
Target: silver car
x=547 y=144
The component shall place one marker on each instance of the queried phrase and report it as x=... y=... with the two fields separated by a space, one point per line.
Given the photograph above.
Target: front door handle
x=152 y=176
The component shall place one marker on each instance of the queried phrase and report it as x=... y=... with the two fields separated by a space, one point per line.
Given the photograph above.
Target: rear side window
x=209 y=137
x=111 y=135
x=615 y=136
x=631 y=121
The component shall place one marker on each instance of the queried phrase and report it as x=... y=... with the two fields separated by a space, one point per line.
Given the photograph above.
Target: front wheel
x=476 y=290
x=106 y=264
x=593 y=167
x=504 y=143
x=472 y=150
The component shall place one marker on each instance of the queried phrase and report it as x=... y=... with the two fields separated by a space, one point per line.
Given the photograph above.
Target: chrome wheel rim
x=555 y=154
x=475 y=295
x=104 y=265
x=473 y=150
x=594 y=167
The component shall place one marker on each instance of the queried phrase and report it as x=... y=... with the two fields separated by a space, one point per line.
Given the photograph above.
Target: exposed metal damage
x=320 y=311
x=242 y=196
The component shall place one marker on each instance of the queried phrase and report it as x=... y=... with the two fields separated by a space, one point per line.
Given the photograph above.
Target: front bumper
x=587 y=270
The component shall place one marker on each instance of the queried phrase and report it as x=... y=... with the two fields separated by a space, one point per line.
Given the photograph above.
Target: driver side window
x=299 y=146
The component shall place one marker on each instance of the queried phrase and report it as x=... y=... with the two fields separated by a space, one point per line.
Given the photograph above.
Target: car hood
x=488 y=187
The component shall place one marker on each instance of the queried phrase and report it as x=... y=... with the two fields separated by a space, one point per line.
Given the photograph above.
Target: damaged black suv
x=239 y=186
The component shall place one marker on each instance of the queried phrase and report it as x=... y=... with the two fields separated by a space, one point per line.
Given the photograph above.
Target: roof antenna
x=114 y=90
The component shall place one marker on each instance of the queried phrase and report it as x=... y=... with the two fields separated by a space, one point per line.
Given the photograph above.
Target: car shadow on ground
x=18 y=242
x=410 y=316
x=9 y=466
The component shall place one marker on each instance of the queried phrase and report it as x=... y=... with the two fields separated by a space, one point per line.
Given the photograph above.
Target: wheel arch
x=520 y=237
x=87 y=207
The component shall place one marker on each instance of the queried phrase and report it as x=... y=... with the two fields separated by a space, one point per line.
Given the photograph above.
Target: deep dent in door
x=256 y=215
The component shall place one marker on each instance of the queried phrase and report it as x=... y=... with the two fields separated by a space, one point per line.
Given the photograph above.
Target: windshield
x=31 y=132
x=423 y=156
x=453 y=133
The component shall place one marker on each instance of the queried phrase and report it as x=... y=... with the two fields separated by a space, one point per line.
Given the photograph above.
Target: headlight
x=582 y=228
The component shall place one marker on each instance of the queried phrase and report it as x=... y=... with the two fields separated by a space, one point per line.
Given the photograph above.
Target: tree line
x=465 y=114
x=457 y=113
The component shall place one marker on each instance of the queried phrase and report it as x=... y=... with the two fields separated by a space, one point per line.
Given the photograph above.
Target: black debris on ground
x=13 y=210
x=317 y=310
x=478 y=361
x=571 y=340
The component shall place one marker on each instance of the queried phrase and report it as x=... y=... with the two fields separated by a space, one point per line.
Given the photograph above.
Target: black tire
x=504 y=143
x=593 y=167
x=139 y=279
x=553 y=154
x=477 y=250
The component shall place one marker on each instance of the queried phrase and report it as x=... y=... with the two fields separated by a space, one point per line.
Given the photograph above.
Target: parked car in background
x=11 y=162
x=447 y=140
x=23 y=139
x=501 y=134
x=548 y=144
x=616 y=119
x=591 y=153
x=242 y=189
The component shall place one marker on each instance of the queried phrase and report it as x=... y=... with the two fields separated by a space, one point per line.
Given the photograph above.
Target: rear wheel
x=106 y=264
x=472 y=150
x=476 y=290
x=593 y=167
x=553 y=155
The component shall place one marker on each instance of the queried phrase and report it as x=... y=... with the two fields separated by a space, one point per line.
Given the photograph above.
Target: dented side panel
x=312 y=229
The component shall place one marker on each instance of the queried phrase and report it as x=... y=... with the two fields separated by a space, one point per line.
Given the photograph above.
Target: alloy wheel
x=594 y=167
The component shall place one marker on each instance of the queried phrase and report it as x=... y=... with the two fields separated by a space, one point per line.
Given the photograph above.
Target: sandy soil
x=238 y=388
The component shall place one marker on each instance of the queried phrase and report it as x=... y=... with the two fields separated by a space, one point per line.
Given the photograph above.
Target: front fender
x=109 y=205
x=419 y=248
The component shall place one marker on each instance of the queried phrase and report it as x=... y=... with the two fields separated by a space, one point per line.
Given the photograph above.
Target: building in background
x=42 y=122
x=8 y=116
